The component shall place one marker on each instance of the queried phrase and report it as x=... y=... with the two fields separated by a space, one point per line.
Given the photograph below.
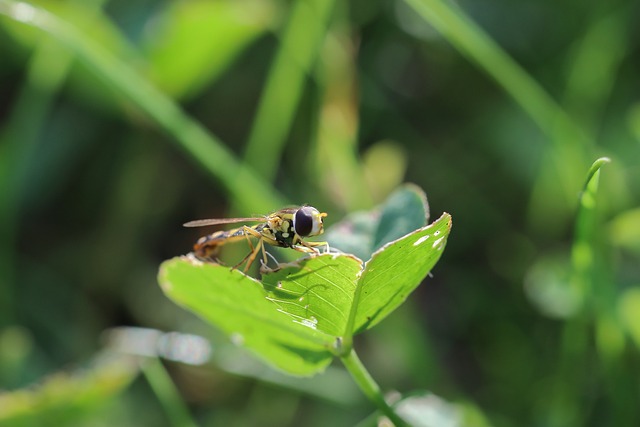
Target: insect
x=284 y=228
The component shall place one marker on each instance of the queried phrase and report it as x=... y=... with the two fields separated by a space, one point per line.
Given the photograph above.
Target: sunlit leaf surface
x=239 y=306
x=295 y=316
x=362 y=233
x=317 y=292
x=397 y=269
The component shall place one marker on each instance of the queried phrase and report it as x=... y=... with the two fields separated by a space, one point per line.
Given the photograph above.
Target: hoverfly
x=284 y=228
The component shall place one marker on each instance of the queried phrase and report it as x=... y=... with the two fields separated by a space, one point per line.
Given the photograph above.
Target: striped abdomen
x=208 y=246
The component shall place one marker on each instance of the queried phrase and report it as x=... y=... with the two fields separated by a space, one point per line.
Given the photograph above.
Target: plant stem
x=369 y=387
x=167 y=394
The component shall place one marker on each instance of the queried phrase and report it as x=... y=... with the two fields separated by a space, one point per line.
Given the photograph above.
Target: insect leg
x=310 y=247
x=264 y=267
x=251 y=256
x=248 y=255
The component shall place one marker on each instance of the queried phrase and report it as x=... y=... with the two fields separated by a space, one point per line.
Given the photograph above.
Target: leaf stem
x=369 y=387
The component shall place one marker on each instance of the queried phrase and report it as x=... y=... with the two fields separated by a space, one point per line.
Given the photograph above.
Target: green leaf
x=64 y=398
x=404 y=211
x=222 y=30
x=547 y=285
x=629 y=312
x=397 y=269
x=239 y=306
x=587 y=222
x=422 y=408
x=305 y=312
x=118 y=74
x=362 y=233
x=624 y=230
x=354 y=234
x=316 y=291
x=425 y=409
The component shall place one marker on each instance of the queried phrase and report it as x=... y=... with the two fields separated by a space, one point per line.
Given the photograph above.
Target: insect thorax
x=281 y=230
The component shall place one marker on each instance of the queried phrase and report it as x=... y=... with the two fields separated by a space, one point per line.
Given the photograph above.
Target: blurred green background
x=120 y=120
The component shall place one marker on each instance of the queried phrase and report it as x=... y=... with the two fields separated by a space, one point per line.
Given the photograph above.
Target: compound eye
x=303 y=221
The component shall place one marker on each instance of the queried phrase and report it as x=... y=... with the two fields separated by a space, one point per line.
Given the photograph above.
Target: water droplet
x=338 y=343
x=420 y=240
x=311 y=322
x=438 y=244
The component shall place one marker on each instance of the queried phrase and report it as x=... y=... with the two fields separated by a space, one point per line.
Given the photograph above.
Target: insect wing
x=218 y=221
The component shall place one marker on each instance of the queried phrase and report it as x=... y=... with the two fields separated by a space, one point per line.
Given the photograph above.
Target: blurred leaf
x=582 y=251
x=16 y=344
x=299 y=43
x=550 y=206
x=624 y=230
x=19 y=134
x=473 y=42
x=362 y=233
x=87 y=18
x=633 y=120
x=354 y=234
x=601 y=50
x=629 y=312
x=609 y=336
x=333 y=385
x=81 y=14
x=424 y=409
x=167 y=393
x=385 y=164
x=212 y=154
x=63 y=398
x=335 y=158
x=547 y=285
x=206 y=36
x=555 y=286
x=405 y=210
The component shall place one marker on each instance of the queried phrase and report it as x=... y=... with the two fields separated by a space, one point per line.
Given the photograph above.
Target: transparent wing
x=217 y=221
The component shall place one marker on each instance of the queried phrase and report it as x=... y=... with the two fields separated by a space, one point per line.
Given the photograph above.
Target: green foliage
x=362 y=233
x=223 y=30
x=124 y=79
x=297 y=317
x=238 y=305
x=396 y=270
x=64 y=398
x=121 y=120
x=624 y=230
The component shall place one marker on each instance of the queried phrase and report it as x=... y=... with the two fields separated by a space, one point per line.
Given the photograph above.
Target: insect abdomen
x=207 y=246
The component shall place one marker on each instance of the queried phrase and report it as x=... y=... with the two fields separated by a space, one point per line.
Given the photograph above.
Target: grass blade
x=252 y=193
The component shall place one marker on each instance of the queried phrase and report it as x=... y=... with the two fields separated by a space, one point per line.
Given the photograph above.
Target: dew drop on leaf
x=420 y=240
